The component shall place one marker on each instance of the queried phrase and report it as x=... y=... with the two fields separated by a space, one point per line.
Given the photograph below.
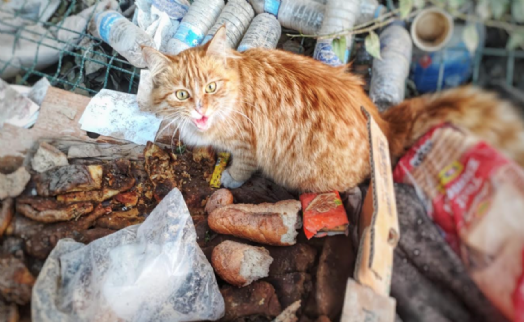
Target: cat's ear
x=155 y=60
x=218 y=47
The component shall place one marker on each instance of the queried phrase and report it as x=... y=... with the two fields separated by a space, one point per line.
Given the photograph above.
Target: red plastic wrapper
x=324 y=214
x=476 y=196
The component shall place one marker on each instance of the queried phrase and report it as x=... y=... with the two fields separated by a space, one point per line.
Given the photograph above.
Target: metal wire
x=114 y=63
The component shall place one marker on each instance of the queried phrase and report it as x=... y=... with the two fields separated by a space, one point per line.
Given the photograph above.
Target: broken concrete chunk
x=16 y=282
x=49 y=210
x=258 y=298
x=48 y=157
x=291 y=287
x=336 y=264
x=9 y=312
x=69 y=178
x=7 y=211
x=297 y=258
x=12 y=185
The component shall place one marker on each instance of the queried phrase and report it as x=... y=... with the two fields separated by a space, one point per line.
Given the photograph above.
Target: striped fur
x=290 y=116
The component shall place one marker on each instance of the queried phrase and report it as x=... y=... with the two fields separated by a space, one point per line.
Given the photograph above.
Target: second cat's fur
x=299 y=120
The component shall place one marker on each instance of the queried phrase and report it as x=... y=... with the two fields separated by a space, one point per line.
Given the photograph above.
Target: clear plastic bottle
x=369 y=10
x=237 y=16
x=263 y=32
x=201 y=15
x=302 y=15
x=339 y=15
x=389 y=74
x=123 y=36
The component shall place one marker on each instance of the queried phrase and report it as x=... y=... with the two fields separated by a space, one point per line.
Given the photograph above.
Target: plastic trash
x=160 y=18
x=123 y=36
x=237 y=16
x=302 y=15
x=200 y=17
x=264 y=32
x=388 y=83
x=370 y=10
x=154 y=271
x=340 y=15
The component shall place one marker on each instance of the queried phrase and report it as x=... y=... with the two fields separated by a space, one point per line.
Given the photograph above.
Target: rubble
x=6 y=214
x=48 y=157
x=297 y=258
x=291 y=287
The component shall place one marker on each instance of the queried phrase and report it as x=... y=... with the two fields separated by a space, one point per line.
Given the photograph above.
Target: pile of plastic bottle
x=172 y=26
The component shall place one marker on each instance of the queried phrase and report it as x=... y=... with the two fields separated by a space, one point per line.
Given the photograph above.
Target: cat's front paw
x=228 y=182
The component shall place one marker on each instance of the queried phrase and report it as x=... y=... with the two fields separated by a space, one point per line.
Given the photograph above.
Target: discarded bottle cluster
x=174 y=25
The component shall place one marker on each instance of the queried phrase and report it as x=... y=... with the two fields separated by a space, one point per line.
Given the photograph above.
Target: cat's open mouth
x=201 y=123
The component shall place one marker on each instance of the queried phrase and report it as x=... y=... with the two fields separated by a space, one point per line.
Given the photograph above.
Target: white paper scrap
x=117 y=114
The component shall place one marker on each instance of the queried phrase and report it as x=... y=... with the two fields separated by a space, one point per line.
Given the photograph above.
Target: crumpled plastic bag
x=149 y=272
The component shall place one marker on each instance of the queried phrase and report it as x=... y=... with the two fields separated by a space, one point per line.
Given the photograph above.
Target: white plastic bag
x=149 y=272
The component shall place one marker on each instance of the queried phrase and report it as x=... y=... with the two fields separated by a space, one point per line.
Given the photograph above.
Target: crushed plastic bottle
x=340 y=15
x=389 y=74
x=201 y=15
x=264 y=32
x=370 y=10
x=237 y=16
x=123 y=36
x=302 y=15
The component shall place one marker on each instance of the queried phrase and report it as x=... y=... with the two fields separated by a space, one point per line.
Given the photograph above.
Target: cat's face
x=194 y=88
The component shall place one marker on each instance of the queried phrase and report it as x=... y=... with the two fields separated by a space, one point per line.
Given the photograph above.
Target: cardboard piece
x=367 y=297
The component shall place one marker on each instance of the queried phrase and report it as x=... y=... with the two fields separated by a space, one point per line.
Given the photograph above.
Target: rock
x=297 y=258
x=291 y=287
x=16 y=282
x=259 y=190
x=335 y=266
x=12 y=185
x=258 y=298
x=48 y=157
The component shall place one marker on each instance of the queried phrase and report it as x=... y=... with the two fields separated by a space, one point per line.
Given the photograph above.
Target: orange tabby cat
x=294 y=118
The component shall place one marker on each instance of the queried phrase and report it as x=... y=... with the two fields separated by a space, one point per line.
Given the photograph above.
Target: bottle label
x=272 y=7
x=324 y=52
x=107 y=22
x=187 y=34
x=173 y=8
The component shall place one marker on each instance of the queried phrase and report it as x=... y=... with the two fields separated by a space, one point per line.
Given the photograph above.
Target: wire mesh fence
x=73 y=59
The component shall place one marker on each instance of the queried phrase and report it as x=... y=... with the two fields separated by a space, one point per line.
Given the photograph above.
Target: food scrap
x=324 y=214
x=223 y=158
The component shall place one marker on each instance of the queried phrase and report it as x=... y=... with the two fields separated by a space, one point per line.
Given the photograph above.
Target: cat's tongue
x=201 y=123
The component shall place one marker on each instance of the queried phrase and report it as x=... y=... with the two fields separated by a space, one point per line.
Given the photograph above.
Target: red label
x=322 y=211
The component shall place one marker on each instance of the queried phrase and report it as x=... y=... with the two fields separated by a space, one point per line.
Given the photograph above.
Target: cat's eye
x=182 y=94
x=211 y=87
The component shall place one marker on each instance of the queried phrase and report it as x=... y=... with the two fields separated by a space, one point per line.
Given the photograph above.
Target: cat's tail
x=472 y=109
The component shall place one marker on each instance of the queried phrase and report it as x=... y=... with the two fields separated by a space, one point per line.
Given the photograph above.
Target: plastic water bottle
x=389 y=74
x=370 y=10
x=201 y=15
x=339 y=15
x=237 y=16
x=123 y=36
x=302 y=15
x=264 y=32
